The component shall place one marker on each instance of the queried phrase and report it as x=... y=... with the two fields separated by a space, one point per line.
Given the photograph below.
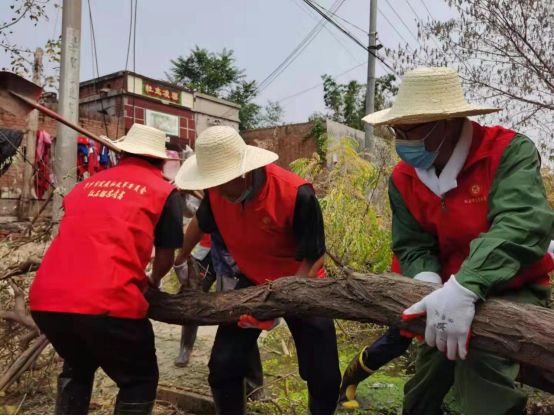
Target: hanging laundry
x=42 y=160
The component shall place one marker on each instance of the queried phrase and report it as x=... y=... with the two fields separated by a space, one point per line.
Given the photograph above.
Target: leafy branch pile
x=353 y=194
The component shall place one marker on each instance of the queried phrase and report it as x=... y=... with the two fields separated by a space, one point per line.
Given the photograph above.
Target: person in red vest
x=271 y=223
x=87 y=296
x=470 y=214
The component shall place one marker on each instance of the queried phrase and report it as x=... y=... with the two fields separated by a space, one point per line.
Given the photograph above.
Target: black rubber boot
x=133 y=408
x=73 y=397
x=355 y=373
x=317 y=408
x=188 y=337
x=230 y=401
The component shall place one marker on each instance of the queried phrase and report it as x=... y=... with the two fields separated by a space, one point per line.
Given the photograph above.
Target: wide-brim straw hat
x=221 y=156
x=428 y=94
x=143 y=140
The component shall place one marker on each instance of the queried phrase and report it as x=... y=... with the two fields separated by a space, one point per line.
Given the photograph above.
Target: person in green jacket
x=469 y=213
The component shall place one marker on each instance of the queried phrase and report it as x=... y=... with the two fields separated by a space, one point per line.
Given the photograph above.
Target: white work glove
x=152 y=282
x=430 y=277
x=249 y=322
x=182 y=272
x=450 y=311
x=551 y=249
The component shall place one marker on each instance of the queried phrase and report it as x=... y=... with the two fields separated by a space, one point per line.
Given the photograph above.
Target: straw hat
x=428 y=94
x=143 y=140
x=221 y=156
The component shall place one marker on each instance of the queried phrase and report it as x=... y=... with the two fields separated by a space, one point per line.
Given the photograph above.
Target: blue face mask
x=414 y=153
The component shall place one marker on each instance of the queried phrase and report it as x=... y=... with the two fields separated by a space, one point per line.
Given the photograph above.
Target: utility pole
x=65 y=162
x=30 y=139
x=370 y=93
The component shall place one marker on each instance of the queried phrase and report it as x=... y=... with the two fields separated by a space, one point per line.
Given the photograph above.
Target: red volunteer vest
x=259 y=236
x=96 y=263
x=462 y=214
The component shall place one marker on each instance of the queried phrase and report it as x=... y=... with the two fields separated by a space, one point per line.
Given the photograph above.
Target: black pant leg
x=62 y=330
x=77 y=377
x=228 y=365
x=389 y=346
x=125 y=350
x=318 y=360
x=255 y=373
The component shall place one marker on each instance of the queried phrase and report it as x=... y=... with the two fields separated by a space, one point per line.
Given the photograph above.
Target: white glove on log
x=430 y=277
x=450 y=311
x=182 y=272
x=152 y=283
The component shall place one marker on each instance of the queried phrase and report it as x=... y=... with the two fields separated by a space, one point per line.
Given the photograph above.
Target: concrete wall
x=210 y=111
x=287 y=141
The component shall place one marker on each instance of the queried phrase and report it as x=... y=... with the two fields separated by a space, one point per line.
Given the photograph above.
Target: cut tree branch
x=29 y=265
x=23 y=363
x=524 y=333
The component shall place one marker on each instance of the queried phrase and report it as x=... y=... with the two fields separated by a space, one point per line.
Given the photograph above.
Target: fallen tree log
x=522 y=332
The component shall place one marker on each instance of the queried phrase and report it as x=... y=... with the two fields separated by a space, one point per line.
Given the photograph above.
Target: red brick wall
x=286 y=141
x=186 y=118
x=93 y=122
x=90 y=90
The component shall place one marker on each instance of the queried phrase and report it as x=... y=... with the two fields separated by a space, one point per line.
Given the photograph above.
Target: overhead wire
x=301 y=6
x=311 y=4
x=428 y=11
x=320 y=84
x=405 y=25
x=95 y=61
x=394 y=27
x=297 y=51
x=421 y=20
x=343 y=19
x=292 y=56
x=126 y=65
x=55 y=28
x=134 y=56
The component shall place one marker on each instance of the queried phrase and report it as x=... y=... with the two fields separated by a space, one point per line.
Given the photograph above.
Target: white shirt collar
x=447 y=179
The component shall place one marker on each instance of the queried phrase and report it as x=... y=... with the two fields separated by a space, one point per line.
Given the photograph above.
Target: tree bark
x=524 y=333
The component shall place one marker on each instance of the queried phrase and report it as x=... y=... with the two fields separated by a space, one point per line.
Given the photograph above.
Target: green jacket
x=516 y=238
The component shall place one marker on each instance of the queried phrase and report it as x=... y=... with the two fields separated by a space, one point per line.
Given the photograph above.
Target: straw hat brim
x=189 y=176
x=139 y=150
x=391 y=118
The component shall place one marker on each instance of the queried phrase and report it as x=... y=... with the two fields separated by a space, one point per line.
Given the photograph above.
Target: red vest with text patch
x=96 y=263
x=259 y=235
x=461 y=216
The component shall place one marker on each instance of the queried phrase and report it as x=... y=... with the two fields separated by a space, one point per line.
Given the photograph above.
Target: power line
x=344 y=20
x=320 y=84
x=130 y=35
x=394 y=27
x=405 y=25
x=421 y=20
x=313 y=6
x=428 y=11
x=95 y=60
x=292 y=56
x=297 y=51
x=134 y=56
x=301 y=6
x=410 y=6
x=126 y=65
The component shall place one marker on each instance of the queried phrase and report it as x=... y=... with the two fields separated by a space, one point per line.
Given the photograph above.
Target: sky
x=262 y=33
